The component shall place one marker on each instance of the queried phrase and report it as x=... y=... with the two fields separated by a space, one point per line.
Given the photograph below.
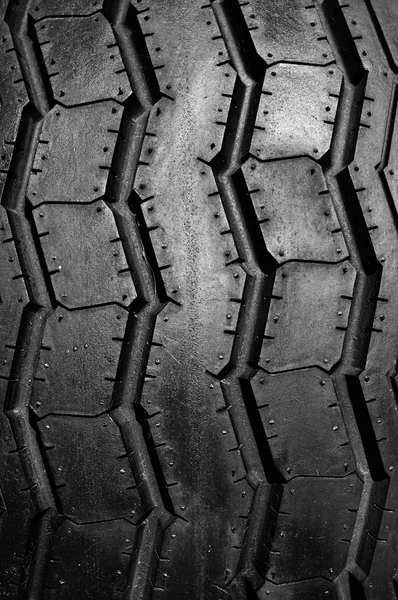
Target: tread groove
x=38 y=309
x=362 y=256
x=259 y=267
x=125 y=204
x=381 y=36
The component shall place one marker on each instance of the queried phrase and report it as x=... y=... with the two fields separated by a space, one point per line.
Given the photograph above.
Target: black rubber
x=198 y=300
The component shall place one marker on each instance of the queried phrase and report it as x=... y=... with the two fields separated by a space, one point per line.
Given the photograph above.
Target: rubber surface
x=198 y=300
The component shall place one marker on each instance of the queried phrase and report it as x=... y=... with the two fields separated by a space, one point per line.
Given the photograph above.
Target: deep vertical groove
x=381 y=36
x=125 y=205
x=392 y=114
x=32 y=66
x=147 y=545
x=43 y=531
x=259 y=268
x=362 y=256
x=37 y=311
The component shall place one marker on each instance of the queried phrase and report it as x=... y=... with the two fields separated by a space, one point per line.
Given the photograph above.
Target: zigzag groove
x=259 y=268
x=381 y=167
x=125 y=205
x=362 y=256
x=37 y=311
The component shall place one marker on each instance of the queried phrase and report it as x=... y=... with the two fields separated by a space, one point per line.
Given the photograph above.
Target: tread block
x=84 y=254
x=289 y=92
x=64 y=43
x=98 y=560
x=379 y=89
x=289 y=31
x=298 y=223
x=303 y=424
x=66 y=8
x=315 y=589
x=90 y=468
x=380 y=393
x=305 y=312
x=313 y=538
x=78 y=361
x=74 y=154
x=390 y=170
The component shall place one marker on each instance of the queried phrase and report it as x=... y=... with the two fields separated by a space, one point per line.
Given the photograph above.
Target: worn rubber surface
x=199 y=300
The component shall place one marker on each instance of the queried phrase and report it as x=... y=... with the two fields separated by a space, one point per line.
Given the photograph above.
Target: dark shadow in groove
x=343 y=44
x=33 y=423
x=45 y=79
x=40 y=254
x=142 y=419
x=266 y=261
x=356 y=588
x=272 y=474
x=135 y=207
x=30 y=313
x=250 y=591
x=357 y=223
x=133 y=49
x=395 y=584
x=366 y=429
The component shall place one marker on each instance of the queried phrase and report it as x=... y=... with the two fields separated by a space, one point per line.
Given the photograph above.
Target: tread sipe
x=198 y=301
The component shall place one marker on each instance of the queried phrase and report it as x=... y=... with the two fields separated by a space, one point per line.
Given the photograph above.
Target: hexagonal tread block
x=314 y=528
x=308 y=316
x=84 y=254
x=303 y=424
x=108 y=544
x=290 y=94
x=90 y=468
x=297 y=217
x=78 y=361
x=64 y=43
x=74 y=154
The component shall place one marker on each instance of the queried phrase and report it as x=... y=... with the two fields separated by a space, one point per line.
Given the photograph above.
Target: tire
x=198 y=300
